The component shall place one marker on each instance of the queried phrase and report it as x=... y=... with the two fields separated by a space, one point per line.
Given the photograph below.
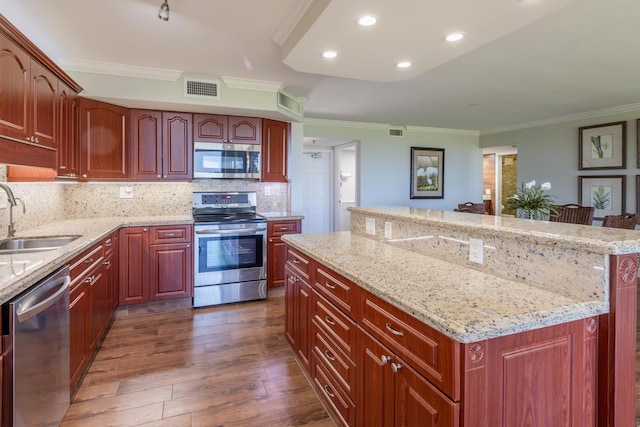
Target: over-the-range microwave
x=219 y=160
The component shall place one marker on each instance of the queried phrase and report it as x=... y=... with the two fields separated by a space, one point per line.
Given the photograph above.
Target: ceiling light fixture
x=367 y=20
x=454 y=37
x=403 y=64
x=329 y=54
x=163 y=13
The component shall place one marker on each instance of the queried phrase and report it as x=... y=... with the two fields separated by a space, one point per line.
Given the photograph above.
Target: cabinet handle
x=386 y=359
x=88 y=261
x=84 y=175
x=329 y=285
x=170 y=234
x=395 y=367
x=394 y=331
x=329 y=392
x=89 y=279
x=284 y=228
x=329 y=355
x=62 y=167
x=165 y=176
x=107 y=263
x=270 y=240
x=107 y=243
x=188 y=245
x=145 y=229
x=296 y=261
x=329 y=320
x=159 y=176
x=293 y=279
x=37 y=140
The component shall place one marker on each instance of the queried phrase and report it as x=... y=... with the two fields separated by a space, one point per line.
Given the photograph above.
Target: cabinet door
x=111 y=271
x=103 y=140
x=290 y=310
x=375 y=383
x=244 y=130
x=98 y=295
x=146 y=144
x=276 y=259
x=15 y=93
x=78 y=333
x=171 y=274
x=134 y=264
x=275 y=137
x=44 y=98
x=177 y=148
x=209 y=128
x=68 y=149
x=303 y=301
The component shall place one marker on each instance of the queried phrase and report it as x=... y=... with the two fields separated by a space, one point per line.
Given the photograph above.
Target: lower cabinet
x=298 y=305
x=276 y=251
x=156 y=263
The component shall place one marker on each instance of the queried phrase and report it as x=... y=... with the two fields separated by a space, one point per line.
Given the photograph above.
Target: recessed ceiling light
x=367 y=20
x=454 y=37
x=329 y=54
x=403 y=64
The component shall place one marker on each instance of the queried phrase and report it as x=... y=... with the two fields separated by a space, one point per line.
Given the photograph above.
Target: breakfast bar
x=536 y=319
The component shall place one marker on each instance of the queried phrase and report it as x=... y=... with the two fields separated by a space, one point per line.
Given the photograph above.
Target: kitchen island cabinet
x=298 y=304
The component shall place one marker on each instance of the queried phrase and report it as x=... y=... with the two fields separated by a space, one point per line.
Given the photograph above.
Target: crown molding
x=383 y=126
x=628 y=108
x=289 y=20
x=262 y=85
x=119 y=69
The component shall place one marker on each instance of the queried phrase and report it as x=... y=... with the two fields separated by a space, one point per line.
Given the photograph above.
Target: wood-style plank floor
x=222 y=366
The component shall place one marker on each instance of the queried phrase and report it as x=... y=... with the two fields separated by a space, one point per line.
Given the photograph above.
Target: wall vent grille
x=398 y=132
x=201 y=88
x=288 y=103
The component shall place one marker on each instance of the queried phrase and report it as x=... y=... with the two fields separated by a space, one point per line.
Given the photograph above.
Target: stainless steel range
x=230 y=245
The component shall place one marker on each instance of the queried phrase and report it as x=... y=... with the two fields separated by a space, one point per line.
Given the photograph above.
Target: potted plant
x=532 y=201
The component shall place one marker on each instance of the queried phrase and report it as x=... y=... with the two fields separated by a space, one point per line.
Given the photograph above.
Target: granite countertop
x=19 y=272
x=464 y=303
x=280 y=216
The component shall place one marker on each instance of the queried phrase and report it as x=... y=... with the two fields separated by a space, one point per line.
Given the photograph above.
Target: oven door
x=217 y=160
x=229 y=254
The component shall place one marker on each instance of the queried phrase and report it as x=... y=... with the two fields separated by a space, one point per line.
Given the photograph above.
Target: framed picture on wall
x=427 y=173
x=603 y=146
x=605 y=193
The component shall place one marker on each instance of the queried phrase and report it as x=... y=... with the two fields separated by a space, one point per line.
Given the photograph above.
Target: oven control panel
x=219 y=199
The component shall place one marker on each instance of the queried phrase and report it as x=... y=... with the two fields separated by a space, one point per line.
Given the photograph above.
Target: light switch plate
x=370 y=227
x=126 y=192
x=476 y=250
x=387 y=230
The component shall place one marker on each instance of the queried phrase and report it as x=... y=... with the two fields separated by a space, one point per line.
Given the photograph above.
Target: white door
x=347 y=183
x=318 y=192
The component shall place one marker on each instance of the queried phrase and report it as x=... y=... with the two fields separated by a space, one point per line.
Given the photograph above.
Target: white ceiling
x=522 y=61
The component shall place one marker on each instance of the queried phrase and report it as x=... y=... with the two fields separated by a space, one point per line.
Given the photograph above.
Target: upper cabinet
x=226 y=129
x=29 y=103
x=103 y=140
x=275 y=137
x=68 y=148
x=161 y=145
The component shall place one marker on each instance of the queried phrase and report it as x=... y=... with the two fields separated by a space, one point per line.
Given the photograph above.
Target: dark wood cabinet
x=276 y=249
x=156 y=263
x=68 y=148
x=227 y=129
x=15 y=68
x=44 y=96
x=275 y=140
x=298 y=305
x=103 y=141
x=161 y=145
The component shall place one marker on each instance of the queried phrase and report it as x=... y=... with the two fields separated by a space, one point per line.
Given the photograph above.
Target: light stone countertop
x=280 y=216
x=19 y=272
x=464 y=303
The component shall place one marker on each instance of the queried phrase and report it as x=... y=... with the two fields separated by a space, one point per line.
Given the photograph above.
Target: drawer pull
x=296 y=261
x=394 y=331
x=107 y=243
x=329 y=355
x=385 y=359
x=89 y=261
x=395 y=367
x=329 y=392
x=107 y=263
x=293 y=279
x=169 y=234
x=329 y=320
x=329 y=285
x=89 y=279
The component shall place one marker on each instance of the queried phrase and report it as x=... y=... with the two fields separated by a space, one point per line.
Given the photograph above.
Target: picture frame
x=606 y=193
x=603 y=146
x=427 y=173
x=638 y=143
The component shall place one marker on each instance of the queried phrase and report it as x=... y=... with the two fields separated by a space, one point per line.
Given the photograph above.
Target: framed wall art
x=605 y=193
x=427 y=173
x=603 y=146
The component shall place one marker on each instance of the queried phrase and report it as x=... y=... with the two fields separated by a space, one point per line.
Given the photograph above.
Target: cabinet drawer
x=338 y=290
x=336 y=325
x=428 y=351
x=335 y=361
x=84 y=262
x=278 y=228
x=299 y=262
x=176 y=234
x=107 y=245
x=337 y=398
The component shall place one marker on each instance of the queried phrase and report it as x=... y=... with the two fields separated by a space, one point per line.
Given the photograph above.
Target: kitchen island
x=547 y=297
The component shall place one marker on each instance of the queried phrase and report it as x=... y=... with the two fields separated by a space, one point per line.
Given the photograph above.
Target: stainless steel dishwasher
x=39 y=327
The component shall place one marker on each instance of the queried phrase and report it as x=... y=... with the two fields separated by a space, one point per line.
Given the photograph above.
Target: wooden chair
x=471 y=207
x=626 y=220
x=573 y=214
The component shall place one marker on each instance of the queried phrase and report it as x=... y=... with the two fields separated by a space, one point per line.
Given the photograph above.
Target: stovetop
x=215 y=207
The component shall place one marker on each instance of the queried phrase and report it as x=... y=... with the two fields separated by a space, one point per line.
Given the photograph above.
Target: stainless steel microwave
x=219 y=160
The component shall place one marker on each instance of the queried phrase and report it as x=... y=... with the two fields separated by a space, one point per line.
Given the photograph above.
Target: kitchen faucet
x=11 y=229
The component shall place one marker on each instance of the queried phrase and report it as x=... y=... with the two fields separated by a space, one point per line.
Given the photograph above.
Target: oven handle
x=239 y=232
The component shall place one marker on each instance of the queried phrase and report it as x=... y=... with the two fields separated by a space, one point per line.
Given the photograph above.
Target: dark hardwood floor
x=222 y=366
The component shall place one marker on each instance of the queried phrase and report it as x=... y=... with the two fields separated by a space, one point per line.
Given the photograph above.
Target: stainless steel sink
x=20 y=245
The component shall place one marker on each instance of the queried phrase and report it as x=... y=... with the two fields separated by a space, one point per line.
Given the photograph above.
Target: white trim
x=290 y=20
x=383 y=126
x=119 y=69
x=263 y=85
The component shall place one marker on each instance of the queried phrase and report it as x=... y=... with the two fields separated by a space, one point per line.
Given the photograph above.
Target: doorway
x=500 y=176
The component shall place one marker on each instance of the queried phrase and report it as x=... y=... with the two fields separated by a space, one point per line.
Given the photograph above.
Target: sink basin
x=20 y=245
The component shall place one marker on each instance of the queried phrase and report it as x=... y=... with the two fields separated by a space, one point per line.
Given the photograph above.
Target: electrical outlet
x=267 y=190
x=387 y=230
x=476 y=251
x=370 y=227
x=126 y=192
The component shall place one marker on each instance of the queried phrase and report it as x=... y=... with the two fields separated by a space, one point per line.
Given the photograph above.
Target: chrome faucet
x=11 y=229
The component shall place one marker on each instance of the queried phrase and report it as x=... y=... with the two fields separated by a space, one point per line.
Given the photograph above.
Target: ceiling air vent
x=201 y=88
x=396 y=131
x=290 y=104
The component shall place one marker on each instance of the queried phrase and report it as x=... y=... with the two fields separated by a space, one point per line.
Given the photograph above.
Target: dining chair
x=626 y=220
x=573 y=214
x=471 y=207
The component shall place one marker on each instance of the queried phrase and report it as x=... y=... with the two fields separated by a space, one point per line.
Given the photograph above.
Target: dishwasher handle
x=38 y=300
